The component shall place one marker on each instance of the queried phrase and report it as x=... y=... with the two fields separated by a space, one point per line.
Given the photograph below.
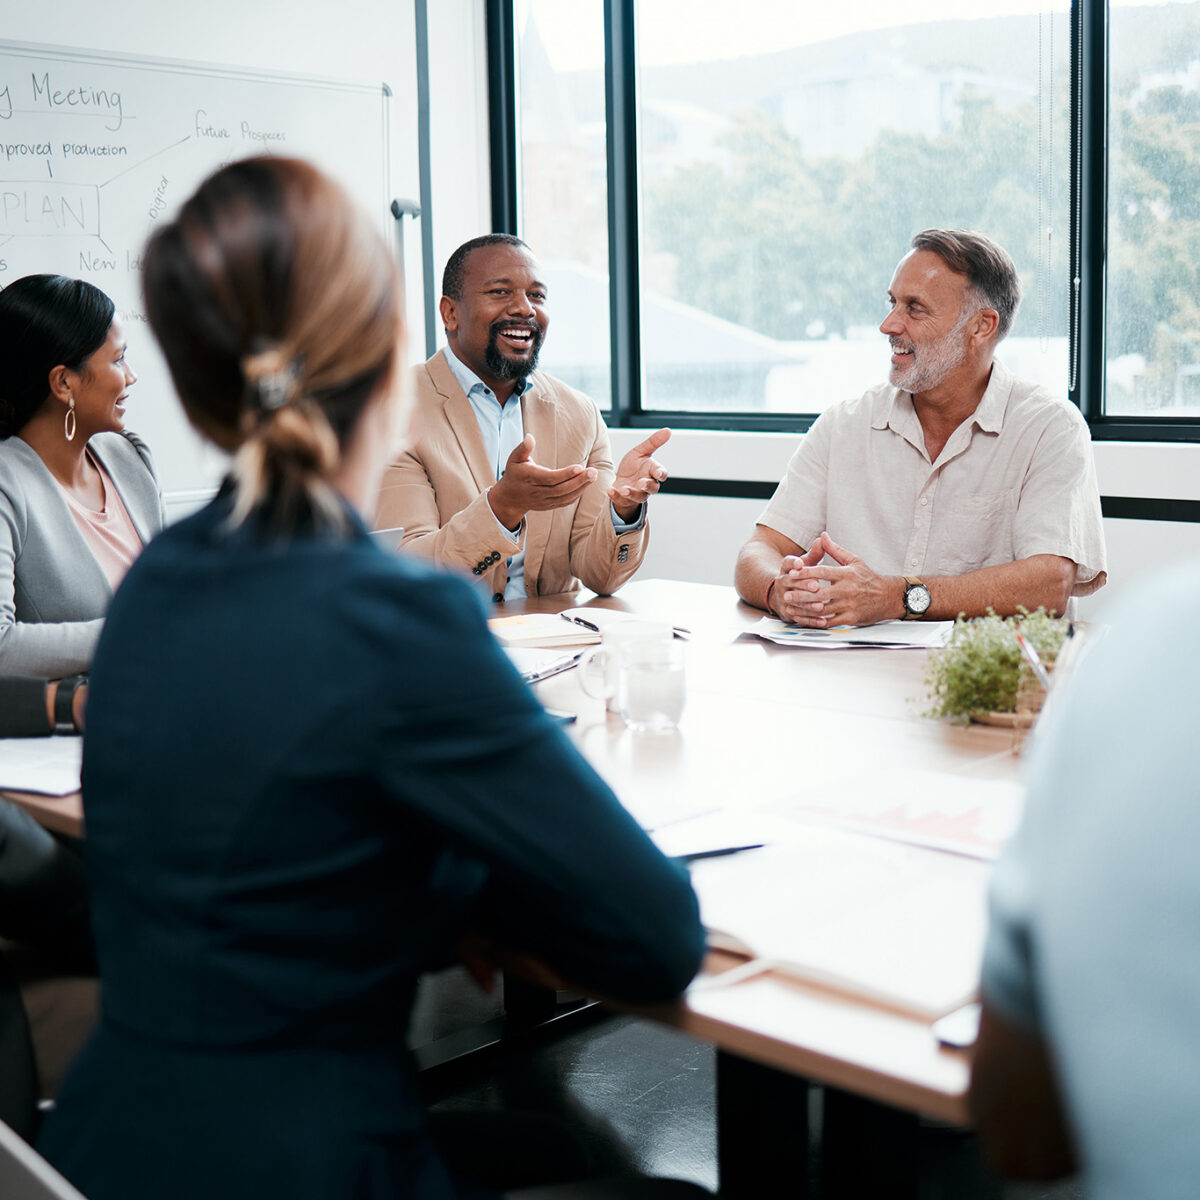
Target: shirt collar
x=470 y=382
x=894 y=410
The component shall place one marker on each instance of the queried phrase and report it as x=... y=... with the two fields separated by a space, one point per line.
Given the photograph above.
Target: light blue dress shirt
x=1095 y=937
x=503 y=429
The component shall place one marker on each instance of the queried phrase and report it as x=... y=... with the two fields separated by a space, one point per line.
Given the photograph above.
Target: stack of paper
x=895 y=923
x=541 y=629
x=891 y=635
x=958 y=813
x=46 y=765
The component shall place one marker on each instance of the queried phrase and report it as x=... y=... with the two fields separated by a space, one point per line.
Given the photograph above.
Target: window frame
x=1089 y=29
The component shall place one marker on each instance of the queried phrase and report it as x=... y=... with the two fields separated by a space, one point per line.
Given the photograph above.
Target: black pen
x=691 y=858
x=684 y=635
x=580 y=621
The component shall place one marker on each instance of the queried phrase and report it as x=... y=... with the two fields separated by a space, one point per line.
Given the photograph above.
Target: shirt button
x=914 y=562
x=924 y=499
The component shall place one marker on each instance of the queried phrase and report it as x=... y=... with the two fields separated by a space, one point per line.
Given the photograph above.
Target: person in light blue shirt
x=1089 y=1048
x=508 y=472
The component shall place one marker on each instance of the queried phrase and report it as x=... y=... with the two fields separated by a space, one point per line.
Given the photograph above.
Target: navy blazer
x=308 y=769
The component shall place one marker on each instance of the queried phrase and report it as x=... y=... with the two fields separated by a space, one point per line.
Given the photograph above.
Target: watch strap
x=64 y=703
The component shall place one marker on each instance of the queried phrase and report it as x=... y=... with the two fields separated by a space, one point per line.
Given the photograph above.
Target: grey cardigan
x=53 y=593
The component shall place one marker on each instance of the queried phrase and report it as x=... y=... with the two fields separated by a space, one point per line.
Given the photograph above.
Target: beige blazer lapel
x=462 y=422
x=540 y=418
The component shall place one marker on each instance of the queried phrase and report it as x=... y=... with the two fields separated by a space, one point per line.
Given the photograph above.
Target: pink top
x=110 y=535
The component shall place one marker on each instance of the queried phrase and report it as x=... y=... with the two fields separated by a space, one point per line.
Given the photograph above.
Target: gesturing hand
x=526 y=486
x=638 y=476
x=849 y=593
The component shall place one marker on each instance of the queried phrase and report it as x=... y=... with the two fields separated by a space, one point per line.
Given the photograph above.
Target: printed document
x=46 y=765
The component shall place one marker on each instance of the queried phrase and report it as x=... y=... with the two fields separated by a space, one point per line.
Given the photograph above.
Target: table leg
x=867 y=1149
x=762 y=1130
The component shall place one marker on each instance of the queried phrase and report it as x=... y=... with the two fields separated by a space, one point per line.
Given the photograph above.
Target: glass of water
x=652 y=685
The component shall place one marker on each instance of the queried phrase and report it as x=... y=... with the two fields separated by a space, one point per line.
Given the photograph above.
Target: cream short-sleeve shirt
x=1017 y=478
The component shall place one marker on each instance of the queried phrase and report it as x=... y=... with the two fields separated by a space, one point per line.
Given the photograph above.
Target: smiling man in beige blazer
x=508 y=472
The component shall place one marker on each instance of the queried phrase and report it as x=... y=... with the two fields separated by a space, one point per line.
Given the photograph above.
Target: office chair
x=25 y=1175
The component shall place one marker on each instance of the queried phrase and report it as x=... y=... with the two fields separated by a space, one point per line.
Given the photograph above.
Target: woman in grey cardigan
x=78 y=493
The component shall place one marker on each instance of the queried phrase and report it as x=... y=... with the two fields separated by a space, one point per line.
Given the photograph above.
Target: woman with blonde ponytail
x=309 y=769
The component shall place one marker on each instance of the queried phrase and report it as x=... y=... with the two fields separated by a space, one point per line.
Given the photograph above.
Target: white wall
x=458 y=118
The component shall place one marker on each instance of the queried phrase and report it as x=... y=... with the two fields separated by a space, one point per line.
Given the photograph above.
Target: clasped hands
x=846 y=592
x=527 y=486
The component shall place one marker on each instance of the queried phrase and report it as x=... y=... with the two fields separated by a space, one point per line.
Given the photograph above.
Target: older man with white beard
x=958 y=487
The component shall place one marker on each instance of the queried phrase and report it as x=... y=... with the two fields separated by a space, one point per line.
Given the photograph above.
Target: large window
x=1153 y=309
x=786 y=162
x=721 y=197
x=563 y=183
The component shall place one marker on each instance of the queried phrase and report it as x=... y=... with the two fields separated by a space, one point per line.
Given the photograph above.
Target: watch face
x=916 y=598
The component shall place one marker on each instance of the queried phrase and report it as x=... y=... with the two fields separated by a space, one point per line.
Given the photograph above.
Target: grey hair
x=990 y=271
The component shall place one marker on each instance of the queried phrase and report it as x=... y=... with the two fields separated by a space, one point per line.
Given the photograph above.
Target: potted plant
x=981 y=674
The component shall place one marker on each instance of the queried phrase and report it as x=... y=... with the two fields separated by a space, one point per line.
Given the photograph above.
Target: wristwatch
x=64 y=703
x=916 y=599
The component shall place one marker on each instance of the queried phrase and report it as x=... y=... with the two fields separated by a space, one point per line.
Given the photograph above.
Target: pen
x=580 y=621
x=556 y=668
x=691 y=858
x=683 y=634
x=1035 y=661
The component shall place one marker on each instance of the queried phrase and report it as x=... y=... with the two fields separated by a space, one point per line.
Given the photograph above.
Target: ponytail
x=288 y=448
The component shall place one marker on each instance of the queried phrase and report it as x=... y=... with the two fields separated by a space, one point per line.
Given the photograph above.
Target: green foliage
x=776 y=239
x=979 y=668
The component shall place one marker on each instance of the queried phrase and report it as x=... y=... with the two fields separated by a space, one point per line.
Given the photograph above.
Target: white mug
x=600 y=670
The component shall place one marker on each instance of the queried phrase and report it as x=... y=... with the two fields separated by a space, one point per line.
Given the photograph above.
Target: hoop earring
x=69 y=420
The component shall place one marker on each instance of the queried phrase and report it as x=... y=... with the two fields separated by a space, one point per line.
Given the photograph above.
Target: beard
x=933 y=362
x=512 y=370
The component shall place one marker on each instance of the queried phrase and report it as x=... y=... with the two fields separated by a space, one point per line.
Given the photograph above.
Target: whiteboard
x=95 y=150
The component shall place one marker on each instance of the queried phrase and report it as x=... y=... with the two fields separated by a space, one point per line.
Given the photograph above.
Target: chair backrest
x=26 y=1175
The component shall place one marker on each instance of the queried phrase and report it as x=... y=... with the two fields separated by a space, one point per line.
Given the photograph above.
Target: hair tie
x=271 y=380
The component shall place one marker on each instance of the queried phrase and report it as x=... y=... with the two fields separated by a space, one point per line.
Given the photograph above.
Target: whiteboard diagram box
x=43 y=208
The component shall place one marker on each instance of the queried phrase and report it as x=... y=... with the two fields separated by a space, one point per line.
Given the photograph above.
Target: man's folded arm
x=759 y=564
x=407 y=499
x=1040 y=581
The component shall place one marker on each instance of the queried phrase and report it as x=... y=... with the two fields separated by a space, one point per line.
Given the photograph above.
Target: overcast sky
x=669 y=32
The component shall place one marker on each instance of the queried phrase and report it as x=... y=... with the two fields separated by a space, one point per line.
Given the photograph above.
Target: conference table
x=762 y=721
